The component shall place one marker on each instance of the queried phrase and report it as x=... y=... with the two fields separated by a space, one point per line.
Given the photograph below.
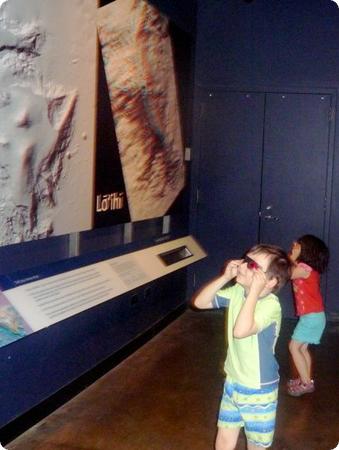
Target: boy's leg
x=229 y=420
x=226 y=438
x=258 y=408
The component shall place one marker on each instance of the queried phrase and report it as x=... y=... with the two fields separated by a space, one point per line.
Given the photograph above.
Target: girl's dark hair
x=314 y=252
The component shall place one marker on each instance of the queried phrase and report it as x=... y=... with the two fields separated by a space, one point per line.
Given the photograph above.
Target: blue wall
x=273 y=44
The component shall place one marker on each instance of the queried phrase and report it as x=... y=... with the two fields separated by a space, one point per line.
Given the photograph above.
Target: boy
x=251 y=387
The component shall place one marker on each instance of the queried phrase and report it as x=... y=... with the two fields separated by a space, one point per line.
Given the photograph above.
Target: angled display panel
x=48 y=56
x=137 y=74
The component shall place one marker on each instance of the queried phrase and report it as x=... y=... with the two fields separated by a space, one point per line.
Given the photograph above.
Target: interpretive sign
x=37 y=304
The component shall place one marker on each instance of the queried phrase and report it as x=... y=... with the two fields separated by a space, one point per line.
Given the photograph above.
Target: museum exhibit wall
x=95 y=117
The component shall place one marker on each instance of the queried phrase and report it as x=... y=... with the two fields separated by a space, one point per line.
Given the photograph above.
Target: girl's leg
x=307 y=355
x=227 y=438
x=300 y=360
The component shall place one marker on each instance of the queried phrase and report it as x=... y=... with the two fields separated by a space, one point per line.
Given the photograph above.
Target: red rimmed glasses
x=251 y=264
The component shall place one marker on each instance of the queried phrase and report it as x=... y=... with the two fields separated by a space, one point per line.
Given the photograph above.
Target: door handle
x=271 y=218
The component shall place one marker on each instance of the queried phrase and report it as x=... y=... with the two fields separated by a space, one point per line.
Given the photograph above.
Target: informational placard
x=38 y=304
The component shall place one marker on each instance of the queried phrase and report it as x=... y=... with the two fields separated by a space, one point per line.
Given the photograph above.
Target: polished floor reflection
x=165 y=396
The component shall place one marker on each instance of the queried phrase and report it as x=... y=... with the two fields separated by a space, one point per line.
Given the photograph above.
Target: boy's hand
x=231 y=269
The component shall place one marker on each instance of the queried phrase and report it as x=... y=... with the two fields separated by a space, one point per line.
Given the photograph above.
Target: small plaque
x=175 y=255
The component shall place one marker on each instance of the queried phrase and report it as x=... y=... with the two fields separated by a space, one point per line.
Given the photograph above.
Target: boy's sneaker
x=301 y=389
x=293 y=382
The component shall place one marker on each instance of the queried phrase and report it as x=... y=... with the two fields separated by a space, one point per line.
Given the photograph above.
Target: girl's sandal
x=301 y=389
x=293 y=382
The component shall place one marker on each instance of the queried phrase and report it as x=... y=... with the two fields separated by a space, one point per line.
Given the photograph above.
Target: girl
x=310 y=257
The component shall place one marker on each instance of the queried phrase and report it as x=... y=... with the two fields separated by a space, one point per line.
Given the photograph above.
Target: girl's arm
x=300 y=271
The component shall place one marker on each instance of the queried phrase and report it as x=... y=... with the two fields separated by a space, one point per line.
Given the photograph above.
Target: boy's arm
x=204 y=298
x=245 y=324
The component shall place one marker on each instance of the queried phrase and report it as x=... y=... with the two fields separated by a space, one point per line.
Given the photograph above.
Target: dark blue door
x=296 y=142
x=231 y=139
x=295 y=170
x=263 y=174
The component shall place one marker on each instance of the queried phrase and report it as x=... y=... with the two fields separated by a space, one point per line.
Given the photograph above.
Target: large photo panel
x=140 y=166
x=48 y=66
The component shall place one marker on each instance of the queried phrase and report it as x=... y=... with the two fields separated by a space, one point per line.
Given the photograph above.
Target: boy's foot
x=301 y=389
x=293 y=382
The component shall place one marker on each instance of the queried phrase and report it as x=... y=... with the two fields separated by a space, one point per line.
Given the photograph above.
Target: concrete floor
x=165 y=396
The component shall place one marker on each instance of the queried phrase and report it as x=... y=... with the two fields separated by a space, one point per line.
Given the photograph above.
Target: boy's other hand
x=259 y=282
